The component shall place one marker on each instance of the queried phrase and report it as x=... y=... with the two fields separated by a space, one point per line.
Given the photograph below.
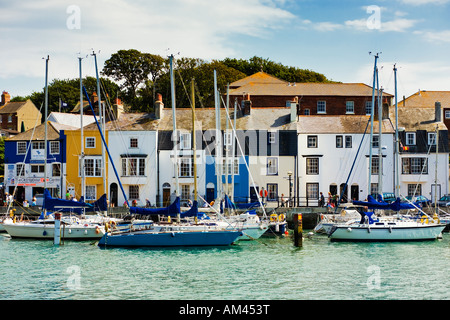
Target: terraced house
x=290 y=140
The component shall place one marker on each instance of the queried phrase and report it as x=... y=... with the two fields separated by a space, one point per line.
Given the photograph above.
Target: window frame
x=321 y=107
x=312 y=141
x=21 y=143
x=312 y=166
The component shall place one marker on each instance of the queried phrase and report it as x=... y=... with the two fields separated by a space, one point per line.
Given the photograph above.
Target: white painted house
x=133 y=144
x=329 y=157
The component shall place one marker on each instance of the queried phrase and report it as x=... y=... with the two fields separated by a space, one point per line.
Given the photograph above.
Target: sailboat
x=44 y=227
x=371 y=228
x=160 y=236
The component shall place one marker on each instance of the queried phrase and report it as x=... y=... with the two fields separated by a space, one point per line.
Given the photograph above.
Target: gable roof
x=341 y=124
x=305 y=89
x=12 y=107
x=426 y=99
x=259 y=77
x=70 y=119
x=129 y=122
x=38 y=133
x=412 y=118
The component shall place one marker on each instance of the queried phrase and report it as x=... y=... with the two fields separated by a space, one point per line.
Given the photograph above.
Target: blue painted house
x=25 y=162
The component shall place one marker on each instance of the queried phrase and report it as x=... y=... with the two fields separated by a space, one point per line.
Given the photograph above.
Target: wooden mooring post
x=298 y=230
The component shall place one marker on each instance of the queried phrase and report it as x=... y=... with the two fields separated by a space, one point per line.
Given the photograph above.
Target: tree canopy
x=136 y=77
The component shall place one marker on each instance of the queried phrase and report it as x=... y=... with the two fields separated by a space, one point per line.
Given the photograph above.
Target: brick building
x=262 y=90
x=18 y=116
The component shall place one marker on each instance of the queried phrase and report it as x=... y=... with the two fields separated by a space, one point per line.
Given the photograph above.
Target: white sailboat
x=72 y=228
x=44 y=227
x=370 y=228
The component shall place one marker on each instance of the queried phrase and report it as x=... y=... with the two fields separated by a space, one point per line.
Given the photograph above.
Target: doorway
x=113 y=194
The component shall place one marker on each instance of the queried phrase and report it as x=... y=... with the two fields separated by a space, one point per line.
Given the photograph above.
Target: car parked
x=389 y=197
x=443 y=200
x=421 y=199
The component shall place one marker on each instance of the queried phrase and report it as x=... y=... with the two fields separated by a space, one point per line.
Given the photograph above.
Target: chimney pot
x=6 y=98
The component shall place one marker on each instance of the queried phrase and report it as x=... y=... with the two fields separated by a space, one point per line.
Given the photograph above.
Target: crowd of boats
x=370 y=220
x=170 y=226
x=377 y=220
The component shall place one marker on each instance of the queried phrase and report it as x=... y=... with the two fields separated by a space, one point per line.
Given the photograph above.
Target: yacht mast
x=375 y=72
x=174 y=120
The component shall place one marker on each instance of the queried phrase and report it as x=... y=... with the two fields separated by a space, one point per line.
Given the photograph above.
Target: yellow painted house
x=95 y=171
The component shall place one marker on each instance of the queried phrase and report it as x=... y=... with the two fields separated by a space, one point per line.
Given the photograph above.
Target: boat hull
x=252 y=233
x=385 y=233
x=47 y=231
x=169 y=239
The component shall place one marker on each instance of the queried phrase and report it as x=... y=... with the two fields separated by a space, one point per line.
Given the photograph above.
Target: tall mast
x=194 y=144
x=218 y=139
x=83 y=187
x=45 y=119
x=397 y=144
x=102 y=120
x=227 y=148
x=174 y=120
x=375 y=72
x=233 y=144
x=380 y=153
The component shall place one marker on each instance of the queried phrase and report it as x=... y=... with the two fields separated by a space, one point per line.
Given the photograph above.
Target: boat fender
x=390 y=229
x=368 y=229
x=281 y=217
x=349 y=229
x=172 y=234
x=85 y=232
x=107 y=227
x=44 y=233
x=273 y=217
x=70 y=231
x=97 y=230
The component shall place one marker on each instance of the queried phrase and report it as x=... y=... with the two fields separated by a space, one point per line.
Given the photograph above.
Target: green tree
x=186 y=69
x=68 y=91
x=132 y=68
x=291 y=74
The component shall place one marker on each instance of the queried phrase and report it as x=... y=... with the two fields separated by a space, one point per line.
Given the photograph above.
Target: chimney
x=118 y=108
x=159 y=106
x=294 y=109
x=6 y=98
x=437 y=111
x=246 y=105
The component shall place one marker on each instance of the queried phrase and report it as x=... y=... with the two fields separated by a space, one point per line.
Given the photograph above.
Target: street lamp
x=289 y=173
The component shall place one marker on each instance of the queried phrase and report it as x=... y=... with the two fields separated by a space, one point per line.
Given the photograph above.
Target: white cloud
x=327 y=26
x=195 y=28
x=396 y=25
x=435 y=36
x=411 y=76
x=423 y=2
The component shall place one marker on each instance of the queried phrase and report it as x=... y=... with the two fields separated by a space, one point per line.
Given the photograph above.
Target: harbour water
x=266 y=269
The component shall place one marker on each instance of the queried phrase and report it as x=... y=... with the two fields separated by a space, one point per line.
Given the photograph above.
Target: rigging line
x=185 y=90
x=24 y=158
x=345 y=186
x=246 y=165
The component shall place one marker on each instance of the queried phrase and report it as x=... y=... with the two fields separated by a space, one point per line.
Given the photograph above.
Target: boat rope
x=24 y=157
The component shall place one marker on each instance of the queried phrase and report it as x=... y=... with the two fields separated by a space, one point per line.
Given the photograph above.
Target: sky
x=336 y=38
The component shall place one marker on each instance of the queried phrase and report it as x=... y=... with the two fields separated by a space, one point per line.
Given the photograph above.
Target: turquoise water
x=270 y=268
